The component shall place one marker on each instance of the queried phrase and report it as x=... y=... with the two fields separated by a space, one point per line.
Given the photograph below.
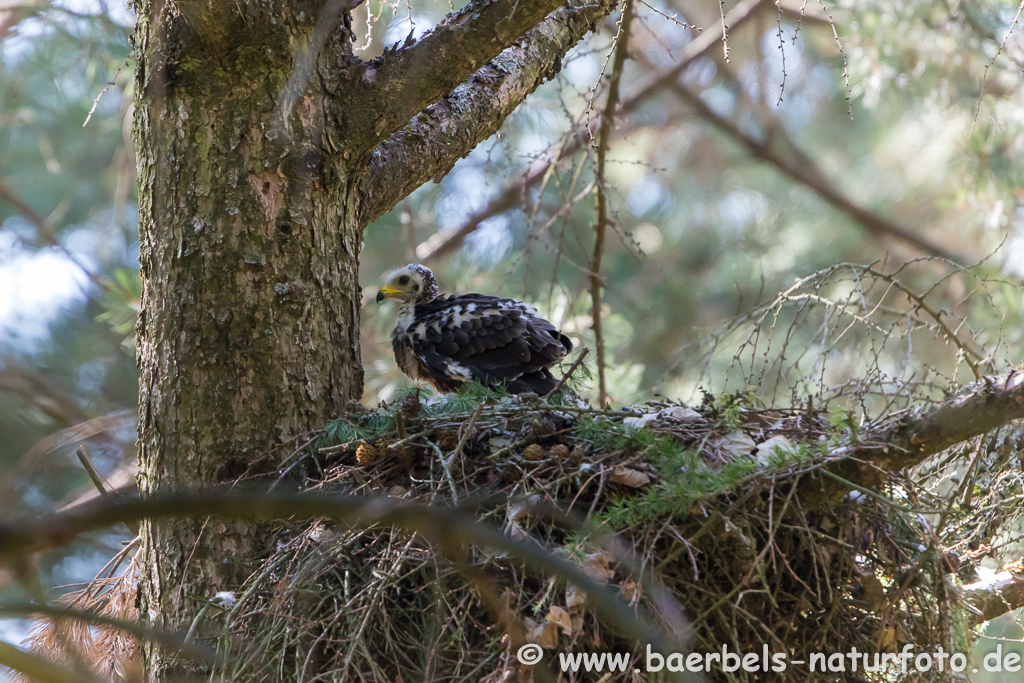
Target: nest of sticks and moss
x=709 y=498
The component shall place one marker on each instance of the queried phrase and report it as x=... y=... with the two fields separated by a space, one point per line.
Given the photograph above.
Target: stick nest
x=708 y=501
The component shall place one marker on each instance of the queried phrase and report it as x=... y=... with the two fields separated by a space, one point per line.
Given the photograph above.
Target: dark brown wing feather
x=495 y=341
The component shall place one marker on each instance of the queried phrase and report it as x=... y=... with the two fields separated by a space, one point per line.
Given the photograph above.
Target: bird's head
x=412 y=284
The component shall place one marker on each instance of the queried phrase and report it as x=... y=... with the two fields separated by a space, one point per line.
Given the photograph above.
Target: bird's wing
x=480 y=337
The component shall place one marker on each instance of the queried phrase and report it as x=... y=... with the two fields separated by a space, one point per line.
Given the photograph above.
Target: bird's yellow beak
x=386 y=292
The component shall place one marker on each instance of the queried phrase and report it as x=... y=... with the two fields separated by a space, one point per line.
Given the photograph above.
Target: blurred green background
x=829 y=127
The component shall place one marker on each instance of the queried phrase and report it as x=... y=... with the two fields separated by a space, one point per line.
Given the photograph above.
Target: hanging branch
x=801 y=168
x=446 y=526
x=604 y=133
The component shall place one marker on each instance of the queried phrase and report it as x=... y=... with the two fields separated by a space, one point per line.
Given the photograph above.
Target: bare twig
x=603 y=221
x=572 y=368
x=94 y=475
x=111 y=83
x=980 y=408
x=999 y=51
x=468 y=431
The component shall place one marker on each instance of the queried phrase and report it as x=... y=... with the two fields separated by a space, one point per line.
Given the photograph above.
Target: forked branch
x=447 y=130
x=381 y=97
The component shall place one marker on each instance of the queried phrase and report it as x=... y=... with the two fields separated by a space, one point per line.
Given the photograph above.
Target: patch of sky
x=720 y=100
x=702 y=72
x=400 y=28
x=670 y=35
x=1013 y=261
x=648 y=195
x=29 y=32
x=35 y=286
x=465 y=192
x=740 y=208
x=581 y=72
x=491 y=242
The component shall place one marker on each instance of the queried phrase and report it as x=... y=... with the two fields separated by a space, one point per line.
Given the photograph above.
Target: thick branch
x=447 y=130
x=511 y=194
x=380 y=97
x=994 y=597
x=980 y=408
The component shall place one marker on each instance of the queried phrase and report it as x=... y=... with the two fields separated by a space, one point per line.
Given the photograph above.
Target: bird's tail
x=540 y=382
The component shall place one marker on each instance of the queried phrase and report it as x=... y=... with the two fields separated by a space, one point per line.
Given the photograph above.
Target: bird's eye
x=404 y=280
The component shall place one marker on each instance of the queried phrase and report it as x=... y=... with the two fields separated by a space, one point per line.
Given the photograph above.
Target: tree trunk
x=249 y=331
x=264 y=147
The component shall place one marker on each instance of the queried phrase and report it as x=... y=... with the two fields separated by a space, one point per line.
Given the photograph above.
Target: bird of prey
x=451 y=340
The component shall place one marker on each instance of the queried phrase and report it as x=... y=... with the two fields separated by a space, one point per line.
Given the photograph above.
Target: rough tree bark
x=264 y=148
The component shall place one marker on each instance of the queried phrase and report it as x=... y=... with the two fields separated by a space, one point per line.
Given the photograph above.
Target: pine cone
x=366 y=454
x=354 y=406
x=559 y=451
x=533 y=452
x=447 y=440
x=576 y=457
x=411 y=407
x=539 y=427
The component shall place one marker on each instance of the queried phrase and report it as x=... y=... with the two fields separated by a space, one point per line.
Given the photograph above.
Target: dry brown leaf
x=545 y=635
x=574 y=597
x=887 y=639
x=874 y=592
x=560 y=617
x=598 y=565
x=577 y=622
x=627 y=476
